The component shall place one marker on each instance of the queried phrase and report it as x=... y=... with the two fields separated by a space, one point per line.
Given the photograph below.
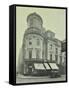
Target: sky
x=53 y=19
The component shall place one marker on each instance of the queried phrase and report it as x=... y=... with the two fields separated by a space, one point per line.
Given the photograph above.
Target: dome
x=34 y=15
x=34 y=22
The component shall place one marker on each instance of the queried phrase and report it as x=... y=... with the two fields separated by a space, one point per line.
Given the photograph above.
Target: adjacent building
x=64 y=56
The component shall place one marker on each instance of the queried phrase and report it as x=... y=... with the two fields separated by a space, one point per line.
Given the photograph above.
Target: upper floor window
x=50 y=57
x=60 y=59
x=51 y=46
x=56 y=50
x=30 y=43
x=38 y=42
x=30 y=54
x=38 y=53
x=56 y=58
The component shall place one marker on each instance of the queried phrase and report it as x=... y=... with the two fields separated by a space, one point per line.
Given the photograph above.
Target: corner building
x=39 y=46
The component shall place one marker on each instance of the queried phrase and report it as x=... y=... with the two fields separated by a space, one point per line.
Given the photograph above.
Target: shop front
x=40 y=69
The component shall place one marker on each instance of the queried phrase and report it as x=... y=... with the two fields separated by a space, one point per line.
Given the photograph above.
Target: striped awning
x=39 y=66
x=47 y=66
x=53 y=66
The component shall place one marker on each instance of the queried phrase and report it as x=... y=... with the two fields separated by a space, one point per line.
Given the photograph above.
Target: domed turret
x=34 y=20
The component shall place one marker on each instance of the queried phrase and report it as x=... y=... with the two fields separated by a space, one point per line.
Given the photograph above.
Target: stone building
x=53 y=48
x=63 y=52
x=63 y=56
x=39 y=46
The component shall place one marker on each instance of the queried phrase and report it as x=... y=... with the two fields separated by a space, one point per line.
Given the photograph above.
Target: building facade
x=64 y=56
x=39 y=45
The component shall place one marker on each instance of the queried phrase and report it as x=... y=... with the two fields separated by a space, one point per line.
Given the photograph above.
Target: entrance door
x=29 y=69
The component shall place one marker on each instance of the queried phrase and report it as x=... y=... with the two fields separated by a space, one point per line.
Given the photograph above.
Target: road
x=32 y=79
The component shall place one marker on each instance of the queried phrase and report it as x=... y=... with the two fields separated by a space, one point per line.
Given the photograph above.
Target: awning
x=39 y=66
x=47 y=66
x=53 y=66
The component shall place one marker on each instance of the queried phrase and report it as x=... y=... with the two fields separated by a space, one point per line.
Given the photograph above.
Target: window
x=60 y=59
x=56 y=58
x=56 y=51
x=37 y=53
x=51 y=46
x=38 y=42
x=30 y=54
x=49 y=35
x=31 y=23
x=30 y=43
x=50 y=57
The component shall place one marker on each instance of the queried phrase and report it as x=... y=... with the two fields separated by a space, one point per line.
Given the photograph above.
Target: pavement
x=32 y=79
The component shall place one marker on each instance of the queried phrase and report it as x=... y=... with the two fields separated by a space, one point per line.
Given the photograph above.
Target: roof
x=32 y=15
x=49 y=31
